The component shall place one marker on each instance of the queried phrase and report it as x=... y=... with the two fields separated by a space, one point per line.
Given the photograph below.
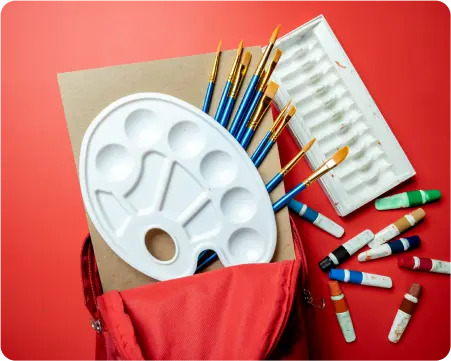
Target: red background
x=401 y=51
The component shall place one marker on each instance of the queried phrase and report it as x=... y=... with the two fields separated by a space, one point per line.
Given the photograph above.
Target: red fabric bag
x=250 y=311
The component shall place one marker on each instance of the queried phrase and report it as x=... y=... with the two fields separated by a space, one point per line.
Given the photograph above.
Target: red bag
x=250 y=311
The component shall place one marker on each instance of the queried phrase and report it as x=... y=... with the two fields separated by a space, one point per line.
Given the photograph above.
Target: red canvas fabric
x=250 y=311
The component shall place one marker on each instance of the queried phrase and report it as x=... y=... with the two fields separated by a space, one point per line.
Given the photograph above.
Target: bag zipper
x=317 y=302
x=91 y=283
x=96 y=324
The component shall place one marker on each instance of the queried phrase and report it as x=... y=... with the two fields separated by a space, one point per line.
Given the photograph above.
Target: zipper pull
x=96 y=325
x=317 y=302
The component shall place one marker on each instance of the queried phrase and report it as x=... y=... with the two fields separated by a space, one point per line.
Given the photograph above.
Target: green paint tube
x=407 y=199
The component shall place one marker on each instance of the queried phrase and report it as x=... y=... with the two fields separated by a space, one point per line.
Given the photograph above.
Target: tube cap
x=432 y=195
x=406 y=261
x=334 y=288
x=325 y=264
x=337 y=274
x=295 y=206
x=418 y=214
x=415 y=290
x=414 y=241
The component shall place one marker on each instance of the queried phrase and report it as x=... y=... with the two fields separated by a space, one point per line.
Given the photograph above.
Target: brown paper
x=85 y=93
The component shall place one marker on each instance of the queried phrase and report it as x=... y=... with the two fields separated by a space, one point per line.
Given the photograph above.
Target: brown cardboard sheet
x=86 y=92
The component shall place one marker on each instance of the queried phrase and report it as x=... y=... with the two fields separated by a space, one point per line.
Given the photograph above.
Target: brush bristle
x=309 y=144
x=246 y=58
x=271 y=89
x=240 y=47
x=340 y=155
x=292 y=111
x=280 y=117
x=219 y=46
x=277 y=55
x=274 y=35
x=284 y=109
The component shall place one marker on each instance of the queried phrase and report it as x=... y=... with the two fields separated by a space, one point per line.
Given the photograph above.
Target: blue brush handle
x=303 y=210
x=227 y=111
x=202 y=254
x=208 y=96
x=236 y=124
x=223 y=100
x=282 y=202
x=273 y=183
x=248 y=116
x=260 y=147
x=207 y=262
x=261 y=157
x=247 y=138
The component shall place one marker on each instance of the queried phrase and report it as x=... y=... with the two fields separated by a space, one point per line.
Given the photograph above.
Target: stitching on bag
x=91 y=284
x=297 y=239
x=285 y=312
x=127 y=349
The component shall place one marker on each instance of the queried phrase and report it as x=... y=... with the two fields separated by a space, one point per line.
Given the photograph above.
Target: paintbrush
x=259 y=93
x=302 y=210
x=273 y=137
x=270 y=131
x=327 y=166
x=250 y=91
x=228 y=84
x=211 y=83
x=236 y=80
x=236 y=85
x=260 y=111
x=279 y=176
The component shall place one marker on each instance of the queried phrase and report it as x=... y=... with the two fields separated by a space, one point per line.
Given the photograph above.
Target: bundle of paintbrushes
x=255 y=103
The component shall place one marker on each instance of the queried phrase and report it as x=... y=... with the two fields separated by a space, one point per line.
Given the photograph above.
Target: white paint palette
x=334 y=106
x=151 y=161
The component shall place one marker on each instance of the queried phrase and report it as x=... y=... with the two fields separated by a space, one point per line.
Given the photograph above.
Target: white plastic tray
x=150 y=161
x=334 y=106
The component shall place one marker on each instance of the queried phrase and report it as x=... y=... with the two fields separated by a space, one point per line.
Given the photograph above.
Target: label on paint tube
x=329 y=226
x=399 y=326
x=345 y=321
x=379 y=252
x=375 y=253
x=440 y=266
x=359 y=241
x=384 y=235
x=370 y=279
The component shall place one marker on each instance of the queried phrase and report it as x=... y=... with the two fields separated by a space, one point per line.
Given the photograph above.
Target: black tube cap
x=326 y=264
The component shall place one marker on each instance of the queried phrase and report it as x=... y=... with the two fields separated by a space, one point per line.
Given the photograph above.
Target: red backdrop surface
x=401 y=51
